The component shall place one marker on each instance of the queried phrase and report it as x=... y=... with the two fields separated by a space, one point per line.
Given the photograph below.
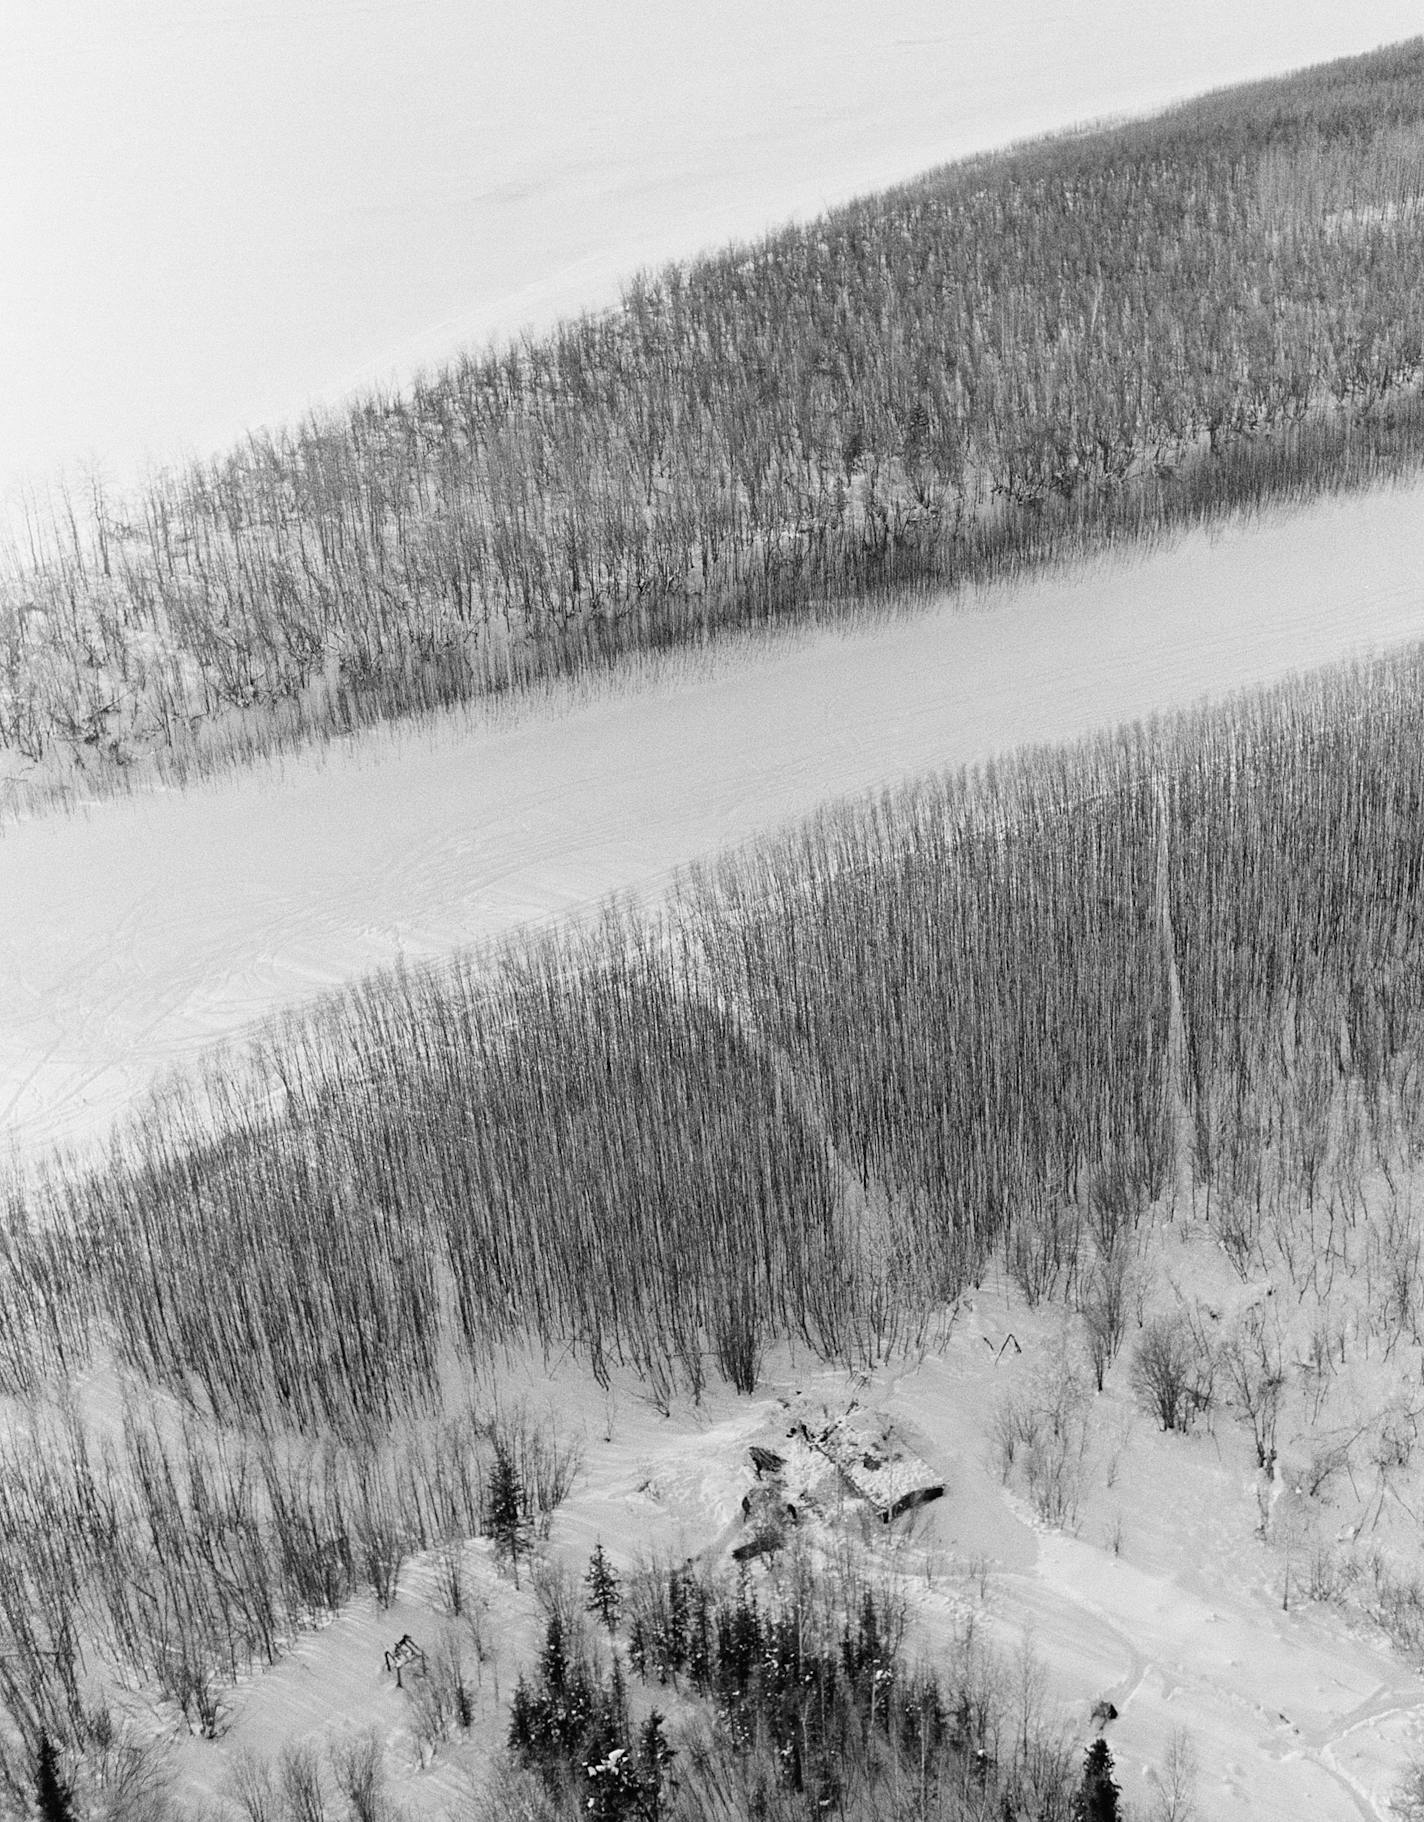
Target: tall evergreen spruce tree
x=604 y=1597
x=52 y=1794
x=505 y=1520
x=658 y=1786
x=1097 y=1796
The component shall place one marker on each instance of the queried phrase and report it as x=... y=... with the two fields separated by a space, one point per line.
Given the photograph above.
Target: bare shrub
x=254 y=1789
x=124 y=1779
x=380 y=1529
x=1044 y=1433
x=442 y=1701
x=302 y=1786
x=1172 y=1371
x=559 y=1595
x=358 y=1764
x=452 y=1587
x=1254 y=1367
x=1394 y=1599
x=1327 y=1573
x=1325 y=1461
x=1105 y=1310
x=513 y=1794
x=1394 y=1445
x=1318 y=1367
x=1238 y=1226
x=189 y=1680
x=1175 y=1781
x=1041 y=1247
x=1013 y=1426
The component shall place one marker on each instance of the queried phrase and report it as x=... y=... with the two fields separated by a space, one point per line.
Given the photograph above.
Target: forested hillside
x=1016 y=356
x=1004 y=1028
x=996 y=1016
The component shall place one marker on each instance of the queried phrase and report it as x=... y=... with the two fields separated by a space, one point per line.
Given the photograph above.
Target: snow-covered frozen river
x=214 y=212
x=134 y=934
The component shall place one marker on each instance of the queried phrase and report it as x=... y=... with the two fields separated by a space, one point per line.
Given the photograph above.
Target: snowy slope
x=1161 y=1595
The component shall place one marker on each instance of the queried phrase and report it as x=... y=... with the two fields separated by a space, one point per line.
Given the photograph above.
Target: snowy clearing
x=139 y=932
x=1161 y=1595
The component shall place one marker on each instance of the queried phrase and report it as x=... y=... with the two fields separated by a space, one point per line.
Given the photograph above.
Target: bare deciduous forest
x=1012 y=360
x=1001 y=1011
x=992 y=1023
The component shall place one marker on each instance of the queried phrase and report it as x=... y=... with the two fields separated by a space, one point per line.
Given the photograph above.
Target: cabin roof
x=879 y=1465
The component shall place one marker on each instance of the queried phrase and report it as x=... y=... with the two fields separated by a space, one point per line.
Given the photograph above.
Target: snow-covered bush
x=1173 y=1373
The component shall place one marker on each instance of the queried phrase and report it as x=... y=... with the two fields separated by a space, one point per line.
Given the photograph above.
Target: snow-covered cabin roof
x=878 y=1465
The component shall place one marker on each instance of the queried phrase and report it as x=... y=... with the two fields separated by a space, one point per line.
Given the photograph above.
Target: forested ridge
x=1082 y=339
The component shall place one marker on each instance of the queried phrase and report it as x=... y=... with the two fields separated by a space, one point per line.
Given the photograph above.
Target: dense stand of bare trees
x=991 y=1017
x=812 y=1100
x=1013 y=357
x=973 y=988
x=170 y=1558
x=1295 y=893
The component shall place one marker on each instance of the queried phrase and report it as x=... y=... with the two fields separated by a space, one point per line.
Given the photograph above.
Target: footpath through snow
x=136 y=933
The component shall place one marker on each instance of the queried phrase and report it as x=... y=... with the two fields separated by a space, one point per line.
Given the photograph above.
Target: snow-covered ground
x=1166 y=1593
x=214 y=212
x=137 y=932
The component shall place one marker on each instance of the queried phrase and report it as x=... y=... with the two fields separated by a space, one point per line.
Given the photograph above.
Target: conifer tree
x=618 y=1700
x=554 y=1659
x=505 y=1520
x=1097 y=1796
x=526 y=1724
x=604 y=1594
x=673 y=1644
x=657 y=1786
x=52 y=1794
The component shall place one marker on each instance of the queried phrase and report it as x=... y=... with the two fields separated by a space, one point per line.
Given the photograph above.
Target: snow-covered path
x=137 y=932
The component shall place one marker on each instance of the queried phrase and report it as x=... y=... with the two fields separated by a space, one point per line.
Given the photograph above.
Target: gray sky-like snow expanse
x=214 y=213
